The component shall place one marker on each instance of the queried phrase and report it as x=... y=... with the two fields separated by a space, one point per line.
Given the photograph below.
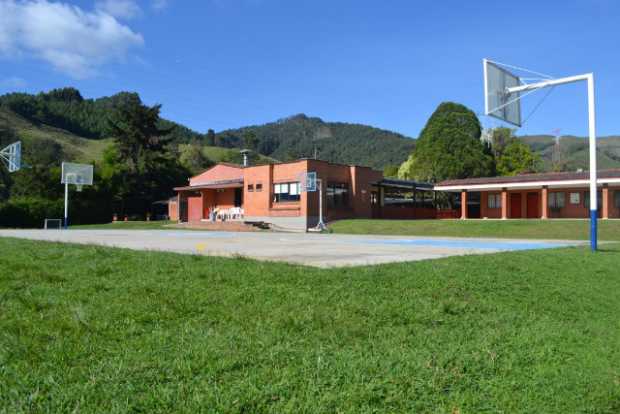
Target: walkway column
x=504 y=204
x=202 y=205
x=605 y=201
x=545 y=203
x=463 y=204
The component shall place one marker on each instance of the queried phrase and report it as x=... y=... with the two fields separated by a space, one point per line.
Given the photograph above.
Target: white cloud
x=13 y=83
x=122 y=9
x=160 y=4
x=73 y=41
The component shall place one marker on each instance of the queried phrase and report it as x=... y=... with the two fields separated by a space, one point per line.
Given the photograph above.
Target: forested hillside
x=88 y=118
x=302 y=136
x=573 y=153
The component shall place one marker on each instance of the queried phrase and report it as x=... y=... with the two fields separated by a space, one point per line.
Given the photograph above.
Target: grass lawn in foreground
x=93 y=329
x=529 y=229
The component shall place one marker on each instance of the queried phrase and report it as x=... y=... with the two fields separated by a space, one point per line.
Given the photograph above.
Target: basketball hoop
x=12 y=156
x=310 y=183
x=503 y=92
x=307 y=181
x=78 y=175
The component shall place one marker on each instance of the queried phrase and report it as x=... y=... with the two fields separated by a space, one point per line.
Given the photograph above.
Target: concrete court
x=321 y=250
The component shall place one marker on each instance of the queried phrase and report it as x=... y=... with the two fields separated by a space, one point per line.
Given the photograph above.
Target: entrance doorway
x=238 y=197
x=473 y=204
x=515 y=205
x=183 y=210
x=533 y=202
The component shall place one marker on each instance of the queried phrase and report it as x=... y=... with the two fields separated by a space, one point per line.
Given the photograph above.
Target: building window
x=286 y=192
x=575 y=198
x=250 y=188
x=259 y=188
x=337 y=195
x=494 y=201
x=617 y=198
x=556 y=201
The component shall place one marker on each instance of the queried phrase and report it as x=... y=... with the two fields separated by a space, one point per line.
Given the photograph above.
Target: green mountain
x=572 y=153
x=301 y=136
x=81 y=149
x=81 y=127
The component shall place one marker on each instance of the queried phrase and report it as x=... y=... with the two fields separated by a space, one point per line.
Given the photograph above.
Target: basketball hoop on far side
x=12 y=156
x=78 y=175
x=310 y=183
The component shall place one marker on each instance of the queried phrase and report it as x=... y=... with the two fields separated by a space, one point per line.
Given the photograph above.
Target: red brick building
x=540 y=196
x=272 y=194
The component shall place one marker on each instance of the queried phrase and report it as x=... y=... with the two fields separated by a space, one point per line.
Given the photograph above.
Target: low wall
x=292 y=223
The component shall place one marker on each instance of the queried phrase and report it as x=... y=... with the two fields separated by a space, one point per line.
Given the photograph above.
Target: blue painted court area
x=469 y=244
x=192 y=234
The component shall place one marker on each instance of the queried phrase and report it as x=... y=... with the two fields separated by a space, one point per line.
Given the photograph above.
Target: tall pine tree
x=138 y=167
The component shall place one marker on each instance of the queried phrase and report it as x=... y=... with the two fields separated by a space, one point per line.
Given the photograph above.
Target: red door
x=533 y=202
x=515 y=205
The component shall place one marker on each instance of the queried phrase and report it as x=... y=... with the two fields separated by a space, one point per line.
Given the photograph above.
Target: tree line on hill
x=65 y=108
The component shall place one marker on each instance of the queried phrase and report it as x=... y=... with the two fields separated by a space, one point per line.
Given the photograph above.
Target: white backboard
x=498 y=102
x=78 y=174
x=307 y=180
x=13 y=156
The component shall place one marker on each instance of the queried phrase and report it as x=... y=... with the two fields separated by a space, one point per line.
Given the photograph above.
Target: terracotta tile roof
x=235 y=183
x=525 y=178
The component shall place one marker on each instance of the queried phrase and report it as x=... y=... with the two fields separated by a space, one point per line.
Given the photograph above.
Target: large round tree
x=449 y=147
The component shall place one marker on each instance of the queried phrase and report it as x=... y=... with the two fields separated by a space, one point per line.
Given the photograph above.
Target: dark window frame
x=337 y=195
x=280 y=196
x=497 y=201
x=556 y=200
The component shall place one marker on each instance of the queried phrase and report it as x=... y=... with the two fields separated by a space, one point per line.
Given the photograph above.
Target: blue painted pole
x=594 y=202
x=593 y=229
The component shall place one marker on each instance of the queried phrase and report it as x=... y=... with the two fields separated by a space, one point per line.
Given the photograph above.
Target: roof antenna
x=245 y=153
x=556 y=155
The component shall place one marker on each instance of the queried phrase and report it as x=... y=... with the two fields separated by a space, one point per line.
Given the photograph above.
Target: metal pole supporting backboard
x=66 y=218
x=320 y=225
x=593 y=172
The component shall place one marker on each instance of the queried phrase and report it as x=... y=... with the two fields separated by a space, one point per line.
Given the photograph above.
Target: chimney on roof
x=246 y=159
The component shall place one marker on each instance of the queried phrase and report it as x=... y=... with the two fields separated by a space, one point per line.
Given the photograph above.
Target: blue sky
x=227 y=63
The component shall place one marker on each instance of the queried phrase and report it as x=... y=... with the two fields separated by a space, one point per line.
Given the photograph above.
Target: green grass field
x=534 y=229
x=92 y=329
